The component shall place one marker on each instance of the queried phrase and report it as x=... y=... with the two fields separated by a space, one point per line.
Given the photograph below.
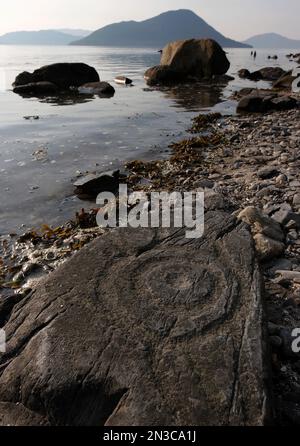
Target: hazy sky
x=238 y=19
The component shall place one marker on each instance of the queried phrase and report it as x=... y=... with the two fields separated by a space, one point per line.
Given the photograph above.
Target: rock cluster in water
x=60 y=78
x=266 y=74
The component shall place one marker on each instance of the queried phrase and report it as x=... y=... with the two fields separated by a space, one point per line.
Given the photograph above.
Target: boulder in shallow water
x=264 y=74
x=163 y=75
x=194 y=58
x=36 y=89
x=23 y=78
x=201 y=58
x=99 y=88
x=244 y=73
x=63 y=75
x=271 y=73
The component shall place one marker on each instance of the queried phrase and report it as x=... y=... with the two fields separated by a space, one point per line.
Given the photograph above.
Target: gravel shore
x=253 y=162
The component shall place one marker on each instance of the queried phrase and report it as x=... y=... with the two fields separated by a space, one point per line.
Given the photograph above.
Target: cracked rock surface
x=142 y=327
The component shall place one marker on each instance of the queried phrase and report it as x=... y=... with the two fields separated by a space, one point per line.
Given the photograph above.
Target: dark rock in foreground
x=142 y=327
x=89 y=186
x=186 y=59
x=265 y=74
x=62 y=75
x=262 y=101
x=12 y=414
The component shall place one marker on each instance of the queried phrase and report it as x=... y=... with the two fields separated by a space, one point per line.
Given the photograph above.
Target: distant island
x=157 y=32
x=273 y=40
x=75 y=32
x=43 y=37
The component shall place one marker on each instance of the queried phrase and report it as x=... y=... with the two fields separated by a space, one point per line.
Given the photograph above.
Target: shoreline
x=212 y=159
x=246 y=160
x=33 y=135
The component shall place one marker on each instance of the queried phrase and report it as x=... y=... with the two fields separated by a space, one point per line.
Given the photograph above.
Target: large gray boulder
x=142 y=327
x=271 y=73
x=194 y=58
x=163 y=75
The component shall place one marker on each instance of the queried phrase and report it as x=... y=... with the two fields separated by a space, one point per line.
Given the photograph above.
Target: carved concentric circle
x=163 y=283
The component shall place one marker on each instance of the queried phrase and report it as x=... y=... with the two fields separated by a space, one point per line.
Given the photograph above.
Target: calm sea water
x=95 y=134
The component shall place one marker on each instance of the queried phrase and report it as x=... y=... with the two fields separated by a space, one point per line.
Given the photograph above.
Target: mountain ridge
x=157 y=32
x=74 y=31
x=42 y=37
x=273 y=40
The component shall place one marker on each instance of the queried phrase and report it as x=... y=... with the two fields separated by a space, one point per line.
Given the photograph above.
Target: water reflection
x=139 y=122
x=196 y=96
x=71 y=98
x=191 y=97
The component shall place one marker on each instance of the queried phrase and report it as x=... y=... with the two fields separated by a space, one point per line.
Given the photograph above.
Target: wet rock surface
x=268 y=235
x=99 y=88
x=266 y=74
x=181 y=327
x=163 y=75
x=36 y=88
x=63 y=75
x=262 y=101
x=188 y=60
x=286 y=81
x=53 y=79
x=90 y=186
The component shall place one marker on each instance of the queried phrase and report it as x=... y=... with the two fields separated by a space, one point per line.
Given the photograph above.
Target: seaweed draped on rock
x=142 y=327
x=186 y=59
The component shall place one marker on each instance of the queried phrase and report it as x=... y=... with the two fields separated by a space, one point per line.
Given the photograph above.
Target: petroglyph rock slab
x=142 y=327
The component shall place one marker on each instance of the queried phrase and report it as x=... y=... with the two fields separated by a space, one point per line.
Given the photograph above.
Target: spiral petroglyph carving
x=142 y=327
x=200 y=289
